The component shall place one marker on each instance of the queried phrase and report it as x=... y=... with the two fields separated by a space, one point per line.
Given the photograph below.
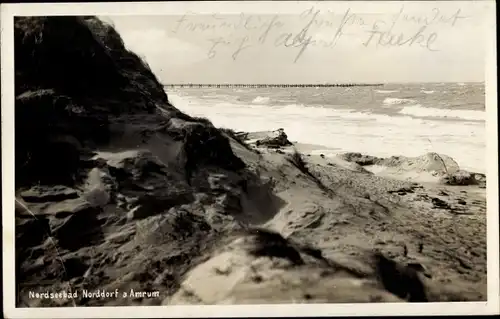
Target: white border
x=156 y=8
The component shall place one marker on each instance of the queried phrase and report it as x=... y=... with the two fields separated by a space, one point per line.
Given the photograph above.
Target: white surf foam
x=386 y=91
x=349 y=130
x=261 y=100
x=397 y=101
x=427 y=92
x=418 y=110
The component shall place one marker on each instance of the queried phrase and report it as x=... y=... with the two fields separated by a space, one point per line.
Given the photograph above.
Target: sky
x=327 y=42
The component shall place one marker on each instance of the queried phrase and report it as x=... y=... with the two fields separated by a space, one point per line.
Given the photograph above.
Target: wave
x=348 y=130
x=419 y=111
x=427 y=92
x=261 y=100
x=397 y=101
x=317 y=112
x=386 y=91
x=195 y=106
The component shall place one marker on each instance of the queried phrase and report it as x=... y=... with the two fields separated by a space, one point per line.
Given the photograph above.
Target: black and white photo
x=260 y=154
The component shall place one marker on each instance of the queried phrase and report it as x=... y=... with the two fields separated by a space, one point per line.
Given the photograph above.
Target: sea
x=393 y=119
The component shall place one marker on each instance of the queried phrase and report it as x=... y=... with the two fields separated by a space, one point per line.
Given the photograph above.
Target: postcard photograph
x=253 y=154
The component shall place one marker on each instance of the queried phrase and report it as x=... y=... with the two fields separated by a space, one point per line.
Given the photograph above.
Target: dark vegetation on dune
x=73 y=77
x=272 y=244
x=401 y=280
x=297 y=160
x=238 y=137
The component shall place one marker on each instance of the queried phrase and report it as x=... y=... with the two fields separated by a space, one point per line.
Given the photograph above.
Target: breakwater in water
x=231 y=86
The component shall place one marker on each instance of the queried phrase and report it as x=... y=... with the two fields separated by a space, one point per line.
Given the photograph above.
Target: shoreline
x=328 y=153
x=326 y=136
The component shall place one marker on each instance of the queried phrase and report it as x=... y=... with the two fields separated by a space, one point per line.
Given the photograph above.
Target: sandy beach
x=345 y=211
